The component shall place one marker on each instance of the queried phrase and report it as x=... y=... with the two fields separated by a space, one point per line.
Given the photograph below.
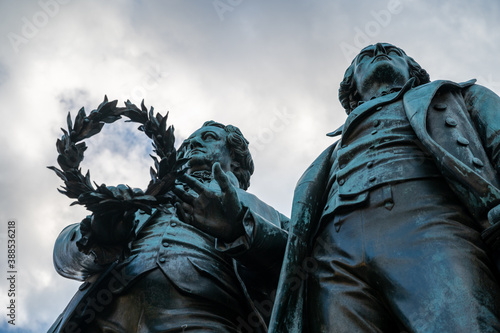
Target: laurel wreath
x=98 y=198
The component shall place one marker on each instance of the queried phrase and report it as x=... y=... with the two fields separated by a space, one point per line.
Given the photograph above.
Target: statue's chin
x=386 y=73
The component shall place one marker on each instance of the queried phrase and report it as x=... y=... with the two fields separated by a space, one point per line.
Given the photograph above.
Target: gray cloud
x=271 y=68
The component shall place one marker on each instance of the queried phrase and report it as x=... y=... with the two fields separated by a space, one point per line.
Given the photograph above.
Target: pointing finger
x=181 y=213
x=195 y=184
x=221 y=177
x=183 y=195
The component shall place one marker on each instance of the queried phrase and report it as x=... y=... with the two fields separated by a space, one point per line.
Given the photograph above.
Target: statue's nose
x=195 y=142
x=379 y=49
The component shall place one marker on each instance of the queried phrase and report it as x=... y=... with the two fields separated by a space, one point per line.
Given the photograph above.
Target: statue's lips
x=381 y=57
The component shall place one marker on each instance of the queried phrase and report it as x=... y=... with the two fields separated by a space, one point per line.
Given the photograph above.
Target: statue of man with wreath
x=207 y=258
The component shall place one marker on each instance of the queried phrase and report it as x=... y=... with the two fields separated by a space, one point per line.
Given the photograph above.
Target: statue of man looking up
x=388 y=220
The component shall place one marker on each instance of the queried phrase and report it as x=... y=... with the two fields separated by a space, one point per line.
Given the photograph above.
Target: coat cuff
x=241 y=244
x=262 y=245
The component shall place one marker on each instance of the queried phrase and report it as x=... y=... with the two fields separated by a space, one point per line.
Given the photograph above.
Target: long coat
x=458 y=124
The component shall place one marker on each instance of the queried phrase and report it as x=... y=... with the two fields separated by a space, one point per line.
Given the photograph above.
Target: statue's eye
x=209 y=136
x=362 y=56
x=394 y=51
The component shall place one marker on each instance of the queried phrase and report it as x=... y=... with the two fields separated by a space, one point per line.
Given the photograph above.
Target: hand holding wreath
x=113 y=208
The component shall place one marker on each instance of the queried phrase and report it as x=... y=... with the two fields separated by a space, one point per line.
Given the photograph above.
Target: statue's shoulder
x=438 y=84
x=470 y=90
x=419 y=99
x=320 y=166
x=478 y=91
x=325 y=156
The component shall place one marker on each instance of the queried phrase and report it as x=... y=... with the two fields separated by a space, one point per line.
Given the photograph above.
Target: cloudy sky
x=270 y=67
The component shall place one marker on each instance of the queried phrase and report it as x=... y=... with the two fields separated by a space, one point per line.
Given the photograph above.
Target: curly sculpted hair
x=241 y=160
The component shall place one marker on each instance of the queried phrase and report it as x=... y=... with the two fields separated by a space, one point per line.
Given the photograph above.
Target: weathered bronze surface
x=394 y=227
x=206 y=259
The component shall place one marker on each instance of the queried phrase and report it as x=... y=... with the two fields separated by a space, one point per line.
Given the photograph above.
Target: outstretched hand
x=214 y=210
x=106 y=233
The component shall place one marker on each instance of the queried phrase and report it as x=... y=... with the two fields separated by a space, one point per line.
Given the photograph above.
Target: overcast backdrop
x=270 y=67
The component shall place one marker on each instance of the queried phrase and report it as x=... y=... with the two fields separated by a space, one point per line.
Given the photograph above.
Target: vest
x=380 y=149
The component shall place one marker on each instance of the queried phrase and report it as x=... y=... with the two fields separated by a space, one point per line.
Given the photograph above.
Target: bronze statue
x=393 y=227
x=206 y=260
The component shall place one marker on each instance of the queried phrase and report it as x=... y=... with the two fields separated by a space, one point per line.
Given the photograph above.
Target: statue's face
x=207 y=146
x=381 y=63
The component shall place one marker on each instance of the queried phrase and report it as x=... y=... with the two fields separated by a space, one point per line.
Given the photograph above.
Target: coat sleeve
x=263 y=244
x=68 y=260
x=71 y=263
x=484 y=109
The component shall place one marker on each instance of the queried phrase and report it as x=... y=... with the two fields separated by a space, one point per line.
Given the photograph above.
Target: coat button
x=477 y=162
x=378 y=108
x=341 y=182
x=376 y=123
x=440 y=107
x=326 y=207
x=162 y=260
x=165 y=244
x=451 y=122
x=372 y=178
x=369 y=164
x=463 y=141
x=173 y=224
x=374 y=132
